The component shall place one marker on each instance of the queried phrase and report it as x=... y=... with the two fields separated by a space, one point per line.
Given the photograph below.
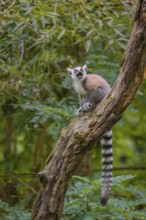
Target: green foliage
x=13 y=213
x=39 y=40
x=126 y=201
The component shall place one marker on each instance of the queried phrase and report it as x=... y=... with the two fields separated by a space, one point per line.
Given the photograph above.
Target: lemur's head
x=78 y=72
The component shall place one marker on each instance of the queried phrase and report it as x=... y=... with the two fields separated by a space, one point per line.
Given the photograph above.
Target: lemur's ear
x=70 y=71
x=85 y=68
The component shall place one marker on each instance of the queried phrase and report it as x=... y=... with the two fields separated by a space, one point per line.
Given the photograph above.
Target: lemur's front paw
x=87 y=107
x=78 y=112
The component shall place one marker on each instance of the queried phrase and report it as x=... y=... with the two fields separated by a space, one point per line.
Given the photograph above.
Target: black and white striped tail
x=107 y=157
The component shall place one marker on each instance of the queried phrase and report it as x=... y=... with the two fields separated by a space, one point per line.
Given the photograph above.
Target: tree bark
x=78 y=137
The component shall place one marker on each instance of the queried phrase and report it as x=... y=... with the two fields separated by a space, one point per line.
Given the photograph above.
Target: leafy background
x=39 y=40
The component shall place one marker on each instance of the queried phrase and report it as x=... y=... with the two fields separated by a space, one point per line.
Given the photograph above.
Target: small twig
x=28 y=186
x=10 y=175
x=125 y=168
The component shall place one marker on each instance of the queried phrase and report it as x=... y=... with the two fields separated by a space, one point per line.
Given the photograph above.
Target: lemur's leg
x=81 y=101
x=93 y=99
x=89 y=102
x=100 y=94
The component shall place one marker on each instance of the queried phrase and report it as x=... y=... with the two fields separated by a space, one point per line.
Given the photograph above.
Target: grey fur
x=91 y=100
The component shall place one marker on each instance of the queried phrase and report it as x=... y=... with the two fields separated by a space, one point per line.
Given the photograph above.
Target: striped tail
x=107 y=157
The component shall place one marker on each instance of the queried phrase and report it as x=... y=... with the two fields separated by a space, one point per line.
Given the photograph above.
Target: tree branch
x=78 y=137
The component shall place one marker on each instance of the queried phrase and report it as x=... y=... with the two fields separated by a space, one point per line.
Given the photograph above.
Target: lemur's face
x=78 y=72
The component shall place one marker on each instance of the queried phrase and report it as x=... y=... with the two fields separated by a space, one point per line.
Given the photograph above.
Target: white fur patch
x=106 y=142
x=108 y=167
x=78 y=87
x=107 y=174
x=108 y=133
x=109 y=159
x=107 y=151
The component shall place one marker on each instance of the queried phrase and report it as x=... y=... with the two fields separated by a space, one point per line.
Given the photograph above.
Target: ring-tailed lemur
x=91 y=89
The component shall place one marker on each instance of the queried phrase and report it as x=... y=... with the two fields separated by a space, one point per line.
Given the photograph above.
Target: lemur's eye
x=76 y=71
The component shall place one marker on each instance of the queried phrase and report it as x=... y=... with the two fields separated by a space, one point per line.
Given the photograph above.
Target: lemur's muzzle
x=79 y=74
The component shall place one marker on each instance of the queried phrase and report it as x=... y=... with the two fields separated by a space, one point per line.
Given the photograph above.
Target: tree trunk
x=78 y=137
